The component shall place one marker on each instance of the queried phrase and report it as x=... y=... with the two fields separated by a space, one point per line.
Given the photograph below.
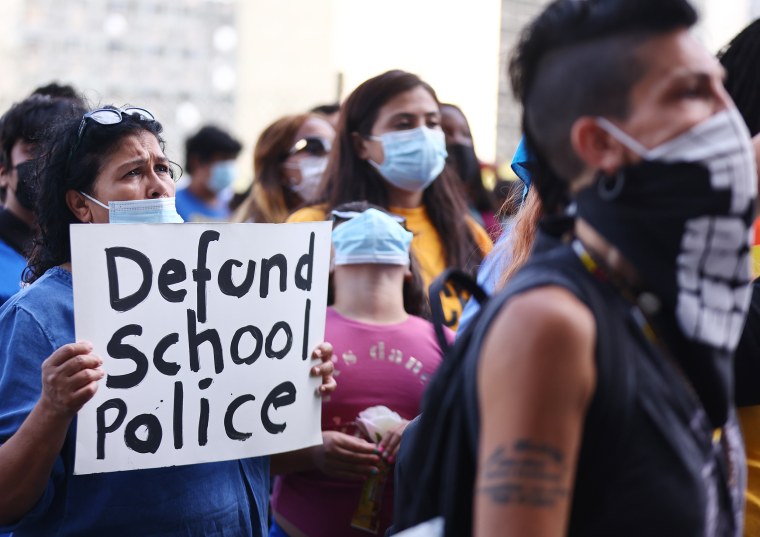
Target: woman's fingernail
x=380 y=449
x=392 y=459
x=373 y=471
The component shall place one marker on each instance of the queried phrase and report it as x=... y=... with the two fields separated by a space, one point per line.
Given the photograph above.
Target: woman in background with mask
x=461 y=149
x=288 y=161
x=391 y=152
x=385 y=353
x=107 y=167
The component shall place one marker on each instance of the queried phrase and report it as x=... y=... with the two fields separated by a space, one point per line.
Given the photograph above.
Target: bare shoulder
x=547 y=336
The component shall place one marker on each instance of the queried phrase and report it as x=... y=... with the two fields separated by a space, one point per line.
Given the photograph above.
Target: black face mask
x=691 y=250
x=464 y=160
x=26 y=190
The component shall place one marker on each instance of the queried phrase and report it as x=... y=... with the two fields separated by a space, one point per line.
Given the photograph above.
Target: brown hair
x=350 y=178
x=523 y=234
x=270 y=201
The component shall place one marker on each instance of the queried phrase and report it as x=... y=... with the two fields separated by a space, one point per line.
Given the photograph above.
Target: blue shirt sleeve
x=488 y=276
x=25 y=345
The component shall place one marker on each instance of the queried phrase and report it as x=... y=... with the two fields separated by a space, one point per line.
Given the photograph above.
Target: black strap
x=461 y=282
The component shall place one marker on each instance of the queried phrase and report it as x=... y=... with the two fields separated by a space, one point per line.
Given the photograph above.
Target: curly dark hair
x=68 y=162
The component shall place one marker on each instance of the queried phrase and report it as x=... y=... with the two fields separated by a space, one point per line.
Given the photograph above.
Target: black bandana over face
x=690 y=246
x=465 y=161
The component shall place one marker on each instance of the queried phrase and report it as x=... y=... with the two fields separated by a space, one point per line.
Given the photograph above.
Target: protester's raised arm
x=69 y=379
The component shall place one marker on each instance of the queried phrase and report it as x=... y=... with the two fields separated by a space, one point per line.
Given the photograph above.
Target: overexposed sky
x=293 y=54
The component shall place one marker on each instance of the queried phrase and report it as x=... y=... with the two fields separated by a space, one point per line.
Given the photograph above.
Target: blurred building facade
x=176 y=58
x=241 y=64
x=720 y=20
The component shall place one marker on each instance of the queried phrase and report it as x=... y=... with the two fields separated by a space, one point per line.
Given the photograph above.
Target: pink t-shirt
x=374 y=365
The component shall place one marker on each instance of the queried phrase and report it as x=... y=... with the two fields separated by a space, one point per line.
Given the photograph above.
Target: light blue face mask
x=372 y=237
x=222 y=176
x=413 y=158
x=150 y=211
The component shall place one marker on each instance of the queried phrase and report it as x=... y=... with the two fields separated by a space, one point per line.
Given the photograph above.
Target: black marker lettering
x=201 y=274
x=235 y=345
x=128 y=302
x=281 y=395
x=280 y=354
x=229 y=427
x=153 y=438
x=177 y=416
x=205 y=410
x=194 y=340
x=306 y=316
x=103 y=429
x=172 y=272
x=279 y=261
x=307 y=261
x=165 y=368
x=117 y=349
x=227 y=286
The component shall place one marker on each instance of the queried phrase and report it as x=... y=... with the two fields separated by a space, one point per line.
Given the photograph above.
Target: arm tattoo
x=530 y=474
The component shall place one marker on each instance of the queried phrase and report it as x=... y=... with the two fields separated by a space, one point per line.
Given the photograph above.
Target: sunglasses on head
x=109 y=116
x=112 y=116
x=311 y=145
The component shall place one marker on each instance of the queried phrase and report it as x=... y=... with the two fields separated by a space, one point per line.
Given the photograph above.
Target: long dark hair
x=70 y=163
x=350 y=178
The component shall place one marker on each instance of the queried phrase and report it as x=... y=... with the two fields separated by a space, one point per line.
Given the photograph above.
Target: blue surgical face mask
x=312 y=169
x=222 y=176
x=150 y=211
x=372 y=237
x=413 y=158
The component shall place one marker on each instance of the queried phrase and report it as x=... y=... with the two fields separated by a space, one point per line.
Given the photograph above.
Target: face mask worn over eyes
x=372 y=237
x=682 y=217
x=222 y=176
x=150 y=211
x=413 y=158
x=311 y=169
x=465 y=160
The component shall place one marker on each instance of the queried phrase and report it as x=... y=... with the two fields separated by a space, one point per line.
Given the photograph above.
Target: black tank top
x=649 y=463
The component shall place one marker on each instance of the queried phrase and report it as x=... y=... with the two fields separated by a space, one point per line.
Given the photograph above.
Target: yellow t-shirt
x=426 y=245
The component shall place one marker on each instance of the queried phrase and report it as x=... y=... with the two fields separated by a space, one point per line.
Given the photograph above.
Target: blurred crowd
x=610 y=385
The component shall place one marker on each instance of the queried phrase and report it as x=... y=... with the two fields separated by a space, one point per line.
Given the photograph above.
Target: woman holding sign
x=108 y=167
x=385 y=354
x=391 y=152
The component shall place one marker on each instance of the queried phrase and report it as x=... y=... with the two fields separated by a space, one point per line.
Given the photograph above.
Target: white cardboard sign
x=206 y=332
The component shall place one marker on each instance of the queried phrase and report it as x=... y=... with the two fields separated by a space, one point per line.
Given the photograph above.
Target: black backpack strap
x=461 y=282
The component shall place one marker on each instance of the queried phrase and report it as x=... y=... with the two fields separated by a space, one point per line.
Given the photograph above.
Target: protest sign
x=206 y=333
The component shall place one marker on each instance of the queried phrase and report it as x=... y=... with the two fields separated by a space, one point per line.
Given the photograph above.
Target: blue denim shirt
x=222 y=498
x=12 y=265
